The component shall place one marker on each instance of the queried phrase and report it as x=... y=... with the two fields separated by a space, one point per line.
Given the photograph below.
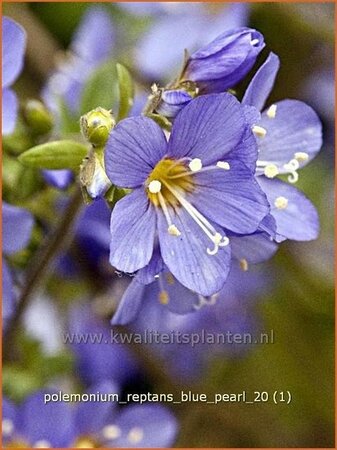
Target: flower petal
x=180 y=299
x=130 y=304
x=145 y=426
x=296 y=128
x=51 y=422
x=91 y=417
x=134 y=147
x=8 y=304
x=186 y=255
x=94 y=38
x=262 y=83
x=156 y=265
x=254 y=248
x=133 y=227
x=231 y=198
x=58 y=178
x=299 y=220
x=17 y=224
x=207 y=128
x=9 y=111
x=13 y=49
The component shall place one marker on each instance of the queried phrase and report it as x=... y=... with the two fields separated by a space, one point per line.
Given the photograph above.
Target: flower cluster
x=185 y=191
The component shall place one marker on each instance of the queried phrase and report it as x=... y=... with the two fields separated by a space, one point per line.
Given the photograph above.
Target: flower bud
x=221 y=64
x=172 y=101
x=96 y=126
x=37 y=117
x=93 y=177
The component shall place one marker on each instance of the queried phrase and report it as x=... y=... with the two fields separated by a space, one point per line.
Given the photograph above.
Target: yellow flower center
x=169 y=173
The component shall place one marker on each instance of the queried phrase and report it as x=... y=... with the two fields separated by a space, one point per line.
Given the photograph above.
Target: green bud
x=37 y=118
x=96 y=126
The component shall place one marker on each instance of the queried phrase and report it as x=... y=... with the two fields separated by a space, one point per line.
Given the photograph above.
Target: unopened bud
x=96 y=126
x=37 y=117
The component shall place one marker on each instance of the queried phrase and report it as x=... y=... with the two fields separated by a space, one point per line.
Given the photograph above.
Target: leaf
x=126 y=91
x=100 y=89
x=55 y=155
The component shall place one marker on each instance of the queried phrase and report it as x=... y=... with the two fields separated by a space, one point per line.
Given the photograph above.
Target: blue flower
x=17 y=224
x=179 y=26
x=97 y=424
x=13 y=50
x=225 y=61
x=165 y=306
x=216 y=67
x=187 y=191
x=289 y=136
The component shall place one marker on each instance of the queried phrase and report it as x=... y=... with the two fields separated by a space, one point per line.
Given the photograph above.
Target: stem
x=41 y=264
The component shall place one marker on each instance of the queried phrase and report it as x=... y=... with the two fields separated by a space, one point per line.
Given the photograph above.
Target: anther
x=259 y=131
x=7 y=427
x=281 y=202
x=254 y=42
x=244 y=264
x=163 y=297
x=271 y=171
x=223 y=165
x=301 y=156
x=135 y=435
x=42 y=444
x=271 y=113
x=110 y=432
x=173 y=230
x=195 y=165
x=154 y=186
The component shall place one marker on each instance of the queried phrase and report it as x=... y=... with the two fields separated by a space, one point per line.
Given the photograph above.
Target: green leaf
x=101 y=89
x=126 y=91
x=55 y=155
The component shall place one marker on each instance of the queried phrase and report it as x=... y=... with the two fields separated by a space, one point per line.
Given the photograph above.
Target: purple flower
x=187 y=191
x=58 y=178
x=289 y=136
x=17 y=224
x=99 y=361
x=37 y=424
x=13 y=50
x=164 y=306
x=225 y=61
x=179 y=26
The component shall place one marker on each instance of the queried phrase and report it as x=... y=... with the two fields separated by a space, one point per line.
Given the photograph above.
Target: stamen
x=164 y=297
x=301 y=156
x=195 y=165
x=271 y=171
x=254 y=42
x=7 y=427
x=154 y=186
x=271 y=113
x=203 y=301
x=292 y=167
x=173 y=230
x=244 y=264
x=217 y=239
x=42 y=444
x=223 y=165
x=110 y=432
x=169 y=278
x=135 y=435
x=281 y=202
x=259 y=131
